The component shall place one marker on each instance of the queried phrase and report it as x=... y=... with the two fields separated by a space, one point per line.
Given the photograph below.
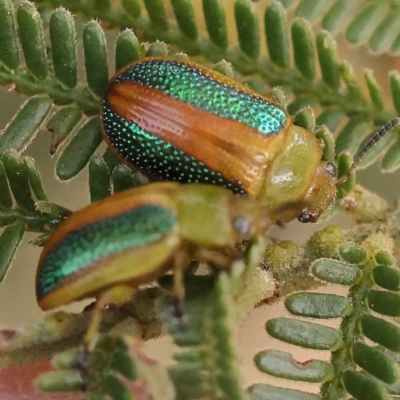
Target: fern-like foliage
x=24 y=205
x=364 y=262
x=207 y=364
x=109 y=370
x=306 y=67
x=374 y=24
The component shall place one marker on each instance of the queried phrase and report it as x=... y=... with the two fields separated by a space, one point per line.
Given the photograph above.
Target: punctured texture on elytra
x=80 y=249
x=204 y=94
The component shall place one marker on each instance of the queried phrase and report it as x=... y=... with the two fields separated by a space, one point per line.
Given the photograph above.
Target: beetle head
x=321 y=193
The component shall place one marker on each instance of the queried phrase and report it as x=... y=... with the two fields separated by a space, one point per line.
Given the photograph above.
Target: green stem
x=27 y=84
x=35 y=221
x=342 y=359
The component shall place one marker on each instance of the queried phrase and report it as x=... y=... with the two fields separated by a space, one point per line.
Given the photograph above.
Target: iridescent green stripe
x=82 y=248
x=190 y=85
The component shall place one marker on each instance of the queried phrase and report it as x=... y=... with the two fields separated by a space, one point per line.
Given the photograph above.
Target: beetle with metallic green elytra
x=112 y=246
x=176 y=120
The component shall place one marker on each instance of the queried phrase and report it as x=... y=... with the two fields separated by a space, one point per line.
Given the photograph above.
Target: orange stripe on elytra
x=237 y=151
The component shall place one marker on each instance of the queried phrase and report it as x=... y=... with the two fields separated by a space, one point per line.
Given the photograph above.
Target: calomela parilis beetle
x=176 y=120
x=109 y=248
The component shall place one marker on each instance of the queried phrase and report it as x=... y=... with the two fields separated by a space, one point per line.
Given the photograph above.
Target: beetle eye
x=331 y=169
x=305 y=217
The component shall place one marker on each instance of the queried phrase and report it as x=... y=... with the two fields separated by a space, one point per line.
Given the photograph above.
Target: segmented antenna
x=378 y=135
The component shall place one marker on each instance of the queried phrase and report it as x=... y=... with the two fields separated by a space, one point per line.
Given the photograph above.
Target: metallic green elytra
x=203 y=92
x=101 y=239
x=179 y=121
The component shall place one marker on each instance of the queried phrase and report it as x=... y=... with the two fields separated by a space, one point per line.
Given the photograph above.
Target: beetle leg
x=216 y=258
x=178 y=311
x=181 y=262
x=115 y=295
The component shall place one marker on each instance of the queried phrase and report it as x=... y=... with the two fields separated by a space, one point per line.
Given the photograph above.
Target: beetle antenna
x=375 y=138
